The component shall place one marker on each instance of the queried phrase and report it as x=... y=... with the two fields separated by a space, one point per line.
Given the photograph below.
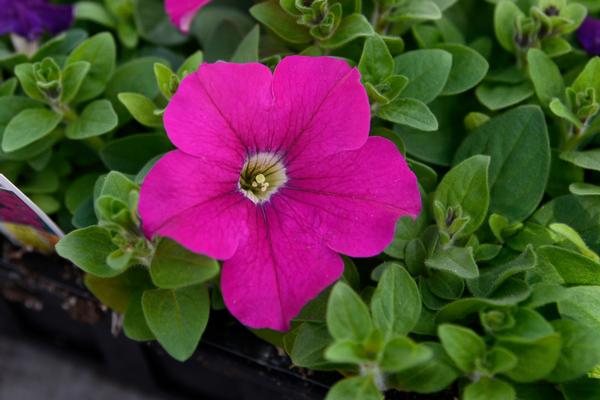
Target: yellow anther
x=260 y=178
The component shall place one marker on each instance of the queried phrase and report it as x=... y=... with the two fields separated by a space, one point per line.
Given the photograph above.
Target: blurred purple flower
x=30 y=19
x=589 y=35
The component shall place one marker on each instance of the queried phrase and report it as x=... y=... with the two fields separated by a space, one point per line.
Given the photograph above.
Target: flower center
x=262 y=175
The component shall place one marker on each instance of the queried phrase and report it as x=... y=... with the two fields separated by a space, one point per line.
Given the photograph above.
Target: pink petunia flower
x=182 y=12
x=276 y=175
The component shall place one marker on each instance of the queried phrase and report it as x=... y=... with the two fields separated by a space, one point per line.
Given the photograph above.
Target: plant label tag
x=24 y=223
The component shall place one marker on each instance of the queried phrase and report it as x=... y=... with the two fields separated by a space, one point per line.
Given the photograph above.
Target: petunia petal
x=357 y=196
x=195 y=203
x=182 y=12
x=280 y=267
x=327 y=108
x=589 y=35
x=217 y=110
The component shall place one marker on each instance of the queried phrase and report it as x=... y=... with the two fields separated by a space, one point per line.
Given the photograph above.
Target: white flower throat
x=262 y=176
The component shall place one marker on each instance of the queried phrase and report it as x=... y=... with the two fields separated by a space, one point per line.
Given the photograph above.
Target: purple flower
x=30 y=19
x=589 y=35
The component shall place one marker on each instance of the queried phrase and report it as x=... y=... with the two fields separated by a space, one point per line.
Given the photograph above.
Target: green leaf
x=376 y=62
x=100 y=52
x=502 y=95
x=97 y=118
x=191 y=64
x=580 y=213
x=118 y=186
x=87 y=10
x=346 y=352
x=536 y=359
x=24 y=73
x=581 y=389
x=427 y=71
x=561 y=110
x=247 y=50
x=499 y=360
x=589 y=159
x=284 y=25
x=580 y=351
x=73 y=77
x=468 y=68
x=177 y=318
x=556 y=46
x=445 y=285
x=421 y=10
x=409 y=112
x=88 y=248
x=505 y=19
x=429 y=377
x=142 y=108
x=546 y=77
x=491 y=277
x=9 y=87
x=588 y=78
x=144 y=83
x=457 y=260
x=309 y=346
x=356 y=388
x=463 y=346
x=116 y=292
x=574 y=268
x=352 y=27
x=29 y=126
x=130 y=153
x=347 y=315
x=134 y=321
x=401 y=353
x=582 y=303
x=489 y=389
x=174 y=266
x=584 y=189
x=517 y=141
x=466 y=188
x=396 y=303
x=528 y=325
x=153 y=23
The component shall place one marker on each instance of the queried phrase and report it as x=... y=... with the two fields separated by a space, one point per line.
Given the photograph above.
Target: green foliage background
x=492 y=293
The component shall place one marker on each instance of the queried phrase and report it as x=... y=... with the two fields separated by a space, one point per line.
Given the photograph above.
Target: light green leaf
x=466 y=187
x=88 y=248
x=97 y=118
x=174 y=266
x=458 y=260
x=356 y=388
x=546 y=77
x=396 y=303
x=100 y=52
x=463 y=346
x=401 y=353
x=352 y=27
x=347 y=315
x=29 y=126
x=489 y=389
x=409 y=112
x=284 y=25
x=142 y=108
